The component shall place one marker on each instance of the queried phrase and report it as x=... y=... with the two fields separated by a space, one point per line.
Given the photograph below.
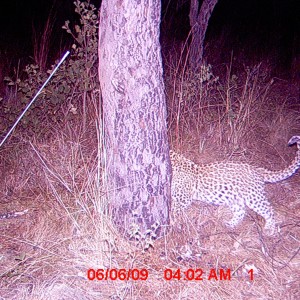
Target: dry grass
x=45 y=254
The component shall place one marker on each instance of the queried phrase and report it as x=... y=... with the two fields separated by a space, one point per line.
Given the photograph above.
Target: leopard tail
x=275 y=176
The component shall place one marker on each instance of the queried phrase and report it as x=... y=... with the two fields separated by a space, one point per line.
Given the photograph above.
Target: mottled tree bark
x=199 y=22
x=134 y=112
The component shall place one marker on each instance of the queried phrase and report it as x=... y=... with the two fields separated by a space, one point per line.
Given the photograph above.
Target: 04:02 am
x=197 y=274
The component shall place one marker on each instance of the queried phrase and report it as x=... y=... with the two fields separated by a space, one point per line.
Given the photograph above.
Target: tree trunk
x=199 y=23
x=134 y=113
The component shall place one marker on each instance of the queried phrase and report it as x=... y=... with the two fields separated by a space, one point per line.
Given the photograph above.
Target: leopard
x=237 y=185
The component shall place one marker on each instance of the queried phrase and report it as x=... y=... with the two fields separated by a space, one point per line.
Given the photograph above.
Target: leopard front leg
x=180 y=200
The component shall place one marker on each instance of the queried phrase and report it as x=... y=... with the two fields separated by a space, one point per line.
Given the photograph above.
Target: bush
x=74 y=86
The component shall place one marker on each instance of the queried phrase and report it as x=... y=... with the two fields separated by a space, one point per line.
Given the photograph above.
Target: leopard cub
x=236 y=185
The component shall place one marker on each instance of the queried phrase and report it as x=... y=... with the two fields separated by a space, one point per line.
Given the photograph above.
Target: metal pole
x=37 y=94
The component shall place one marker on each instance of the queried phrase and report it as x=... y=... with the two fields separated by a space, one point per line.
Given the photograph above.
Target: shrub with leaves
x=195 y=86
x=73 y=86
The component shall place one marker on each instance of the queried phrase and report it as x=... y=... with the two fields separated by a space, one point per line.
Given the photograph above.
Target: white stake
x=37 y=94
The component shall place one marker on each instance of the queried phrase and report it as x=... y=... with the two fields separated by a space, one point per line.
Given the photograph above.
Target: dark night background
x=254 y=30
